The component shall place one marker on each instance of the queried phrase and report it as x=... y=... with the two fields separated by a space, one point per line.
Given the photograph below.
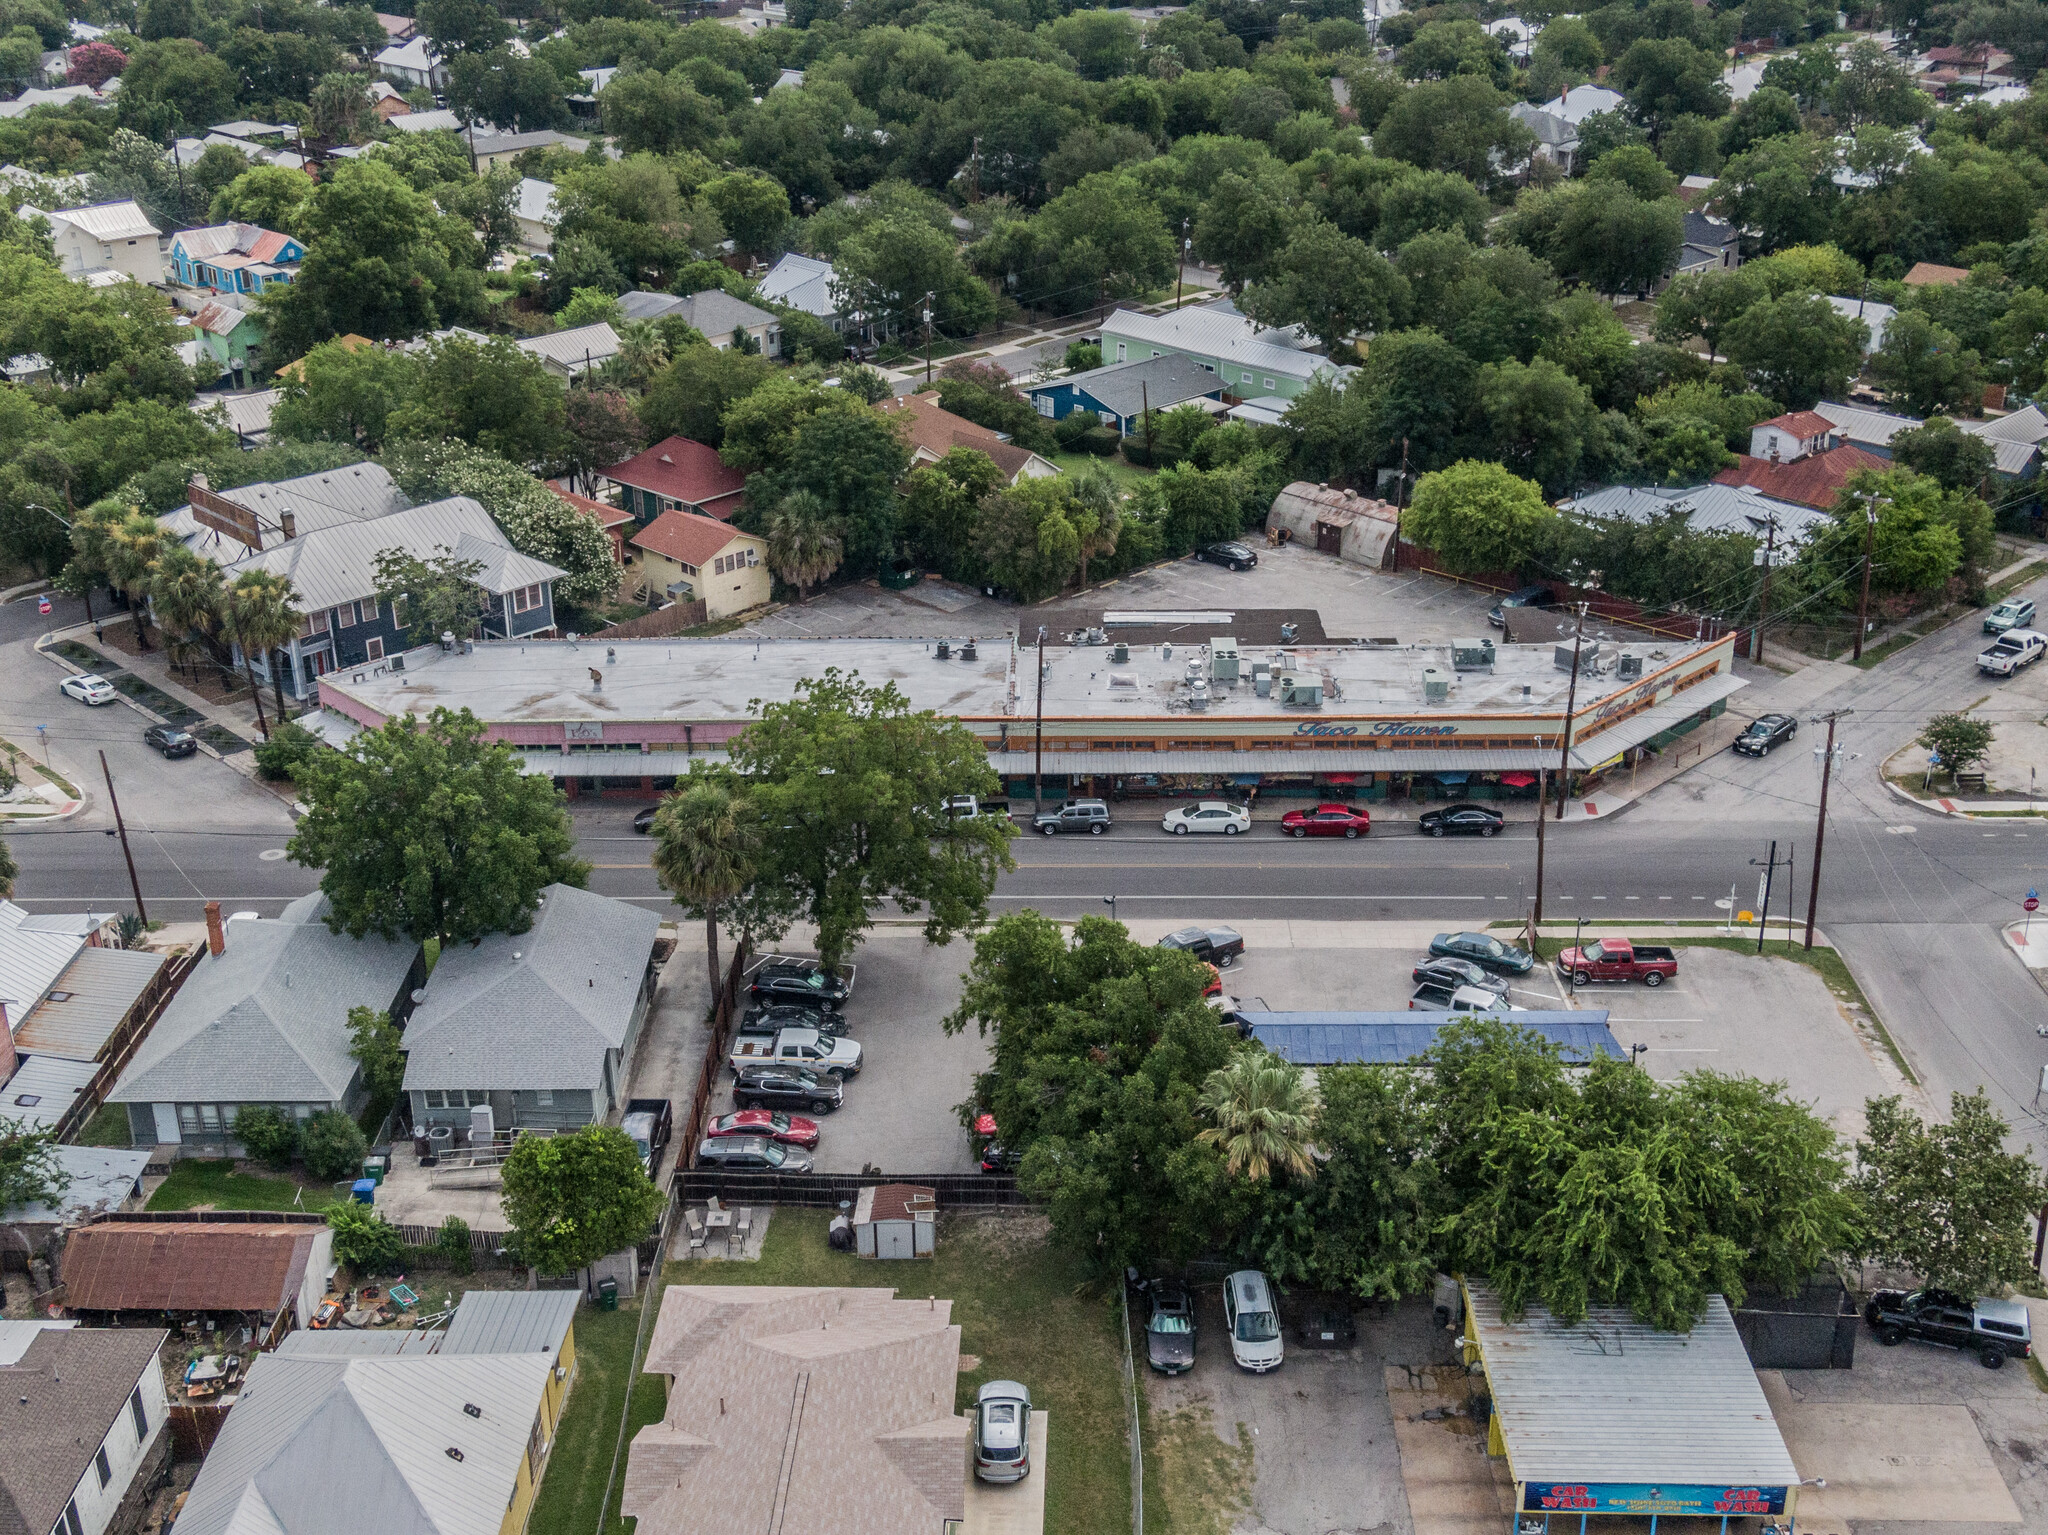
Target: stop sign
x=42 y=605
x=2032 y=902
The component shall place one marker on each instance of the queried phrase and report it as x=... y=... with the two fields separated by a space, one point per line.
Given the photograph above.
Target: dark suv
x=786 y=1087
x=1993 y=1330
x=1218 y=945
x=779 y=978
x=1769 y=730
x=1089 y=815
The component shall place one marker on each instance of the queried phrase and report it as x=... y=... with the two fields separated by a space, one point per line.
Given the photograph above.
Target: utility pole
x=1770 y=868
x=1145 y=415
x=1185 y=245
x=1401 y=485
x=1542 y=815
x=1820 y=830
x=1871 y=501
x=1038 y=733
x=974 y=172
x=1763 y=602
x=121 y=830
x=928 y=339
x=1571 y=698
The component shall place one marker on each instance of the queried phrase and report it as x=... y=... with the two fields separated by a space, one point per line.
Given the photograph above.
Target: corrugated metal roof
x=103 y=1178
x=1866 y=428
x=802 y=282
x=511 y=1322
x=181 y=1266
x=123 y=220
x=103 y=984
x=50 y=1084
x=1590 y=751
x=1344 y=1039
x=536 y=200
x=339 y=1343
x=1612 y=1400
x=1229 y=336
x=30 y=963
x=591 y=344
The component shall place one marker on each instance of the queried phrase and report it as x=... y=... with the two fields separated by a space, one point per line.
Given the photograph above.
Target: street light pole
x=1038 y=733
x=1571 y=698
x=1820 y=830
x=928 y=340
x=1763 y=603
x=1542 y=815
x=1871 y=502
x=1185 y=245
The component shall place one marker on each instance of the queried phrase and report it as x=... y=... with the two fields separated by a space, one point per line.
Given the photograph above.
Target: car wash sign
x=1641 y=1498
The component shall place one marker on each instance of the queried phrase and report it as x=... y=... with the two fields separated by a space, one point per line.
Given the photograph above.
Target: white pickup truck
x=2015 y=648
x=797 y=1047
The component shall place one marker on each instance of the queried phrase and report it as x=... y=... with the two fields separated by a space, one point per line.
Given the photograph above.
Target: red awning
x=1517 y=780
x=1340 y=778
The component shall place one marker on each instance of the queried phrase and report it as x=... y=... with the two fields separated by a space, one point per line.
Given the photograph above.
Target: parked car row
x=1228 y=819
x=789 y=1053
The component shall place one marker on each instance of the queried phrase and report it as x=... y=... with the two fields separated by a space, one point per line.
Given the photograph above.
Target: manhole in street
x=271 y=854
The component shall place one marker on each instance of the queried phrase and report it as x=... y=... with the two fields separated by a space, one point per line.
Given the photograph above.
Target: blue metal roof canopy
x=1353 y=1039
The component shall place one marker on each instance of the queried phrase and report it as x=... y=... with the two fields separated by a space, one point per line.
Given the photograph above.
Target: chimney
x=290 y=524
x=216 y=940
x=199 y=481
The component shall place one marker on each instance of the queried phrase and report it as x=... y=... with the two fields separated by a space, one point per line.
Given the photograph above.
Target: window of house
x=72 y=1524
x=1269 y=383
x=376 y=647
x=536 y=1447
x=544 y=1098
x=101 y=1464
x=526 y=598
x=350 y=614
x=139 y=1413
x=398 y=610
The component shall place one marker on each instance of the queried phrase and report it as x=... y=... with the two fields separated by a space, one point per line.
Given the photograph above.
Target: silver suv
x=1002 y=1432
x=1089 y=815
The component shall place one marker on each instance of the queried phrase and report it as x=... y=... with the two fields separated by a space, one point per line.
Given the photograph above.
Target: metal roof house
x=1250 y=360
x=1609 y=1416
x=570 y=355
x=537 y=1027
x=262 y=1019
x=1120 y=392
x=102 y=238
x=716 y=314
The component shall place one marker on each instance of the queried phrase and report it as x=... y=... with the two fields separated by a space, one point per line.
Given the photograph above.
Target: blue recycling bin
x=364 y=1191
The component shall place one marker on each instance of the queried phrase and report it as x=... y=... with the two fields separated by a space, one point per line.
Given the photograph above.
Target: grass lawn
x=109 y=1127
x=195 y=1182
x=582 y=1456
x=1128 y=476
x=1026 y=1310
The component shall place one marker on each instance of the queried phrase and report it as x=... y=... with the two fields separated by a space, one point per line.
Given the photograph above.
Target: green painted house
x=233 y=338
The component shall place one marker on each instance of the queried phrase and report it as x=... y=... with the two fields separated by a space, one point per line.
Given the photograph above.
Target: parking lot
x=899 y=1114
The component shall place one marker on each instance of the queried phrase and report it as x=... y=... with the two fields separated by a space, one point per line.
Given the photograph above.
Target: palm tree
x=804 y=546
x=92 y=533
x=1263 y=1112
x=188 y=595
x=704 y=856
x=132 y=550
x=262 y=615
x=642 y=353
x=1094 y=495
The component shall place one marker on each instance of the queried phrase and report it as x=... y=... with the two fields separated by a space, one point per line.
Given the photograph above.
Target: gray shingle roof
x=266 y=1021
x=1126 y=387
x=717 y=313
x=62 y=1396
x=534 y=1010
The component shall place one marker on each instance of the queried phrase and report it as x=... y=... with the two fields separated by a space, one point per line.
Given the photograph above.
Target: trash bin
x=364 y=1191
x=607 y=1295
x=373 y=1169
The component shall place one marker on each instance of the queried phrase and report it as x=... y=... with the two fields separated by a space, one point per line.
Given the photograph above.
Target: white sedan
x=1207 y=815
x=88 y=689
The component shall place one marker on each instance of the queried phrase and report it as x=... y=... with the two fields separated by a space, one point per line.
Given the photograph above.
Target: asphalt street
x=1913 y=899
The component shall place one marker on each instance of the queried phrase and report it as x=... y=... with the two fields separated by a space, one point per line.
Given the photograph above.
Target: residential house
x=1874 y=316
x=677 y=474
x=1119 y=392
x=276 y=511
x=84 y=1419
x=538 y=1027
x=295 y=370
x=1924 y=273
x=55 y=96
x=412 y=63
x=1583 y=101
x=1250 y=360
x=398 y=29
x=114 y=237
x=2016 y=441
x=1797 y=458
x=1711 y=508
x=809 y=284
x=534 y=212
x=247 y=414
x=386 y=102
x=700 y=559
x=434 y=120
x=719 y=317
x=233 y=338
x=234 y=258
x=574 y=355
x=613 y=519
x=1556 y=139
x=933 y=431
x=263 y=1019
x=494 y=147
x=1708 y=245
x=1515 y=36
x=99 y=1181
x=425 y=1443
x=45 y=1090
x=875 y=1446
x=1870 y=430
x=264 y=1275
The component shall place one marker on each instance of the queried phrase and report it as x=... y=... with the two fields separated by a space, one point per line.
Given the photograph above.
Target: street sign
x=43 y=606
x=2032 y=902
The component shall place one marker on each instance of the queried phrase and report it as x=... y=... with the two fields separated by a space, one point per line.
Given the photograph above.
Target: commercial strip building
x=1609 y=1416
x=1134 y=720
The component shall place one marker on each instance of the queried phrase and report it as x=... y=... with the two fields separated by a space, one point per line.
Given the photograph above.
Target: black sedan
x=1237 y=556
x=1458 y=972
x=1483 y=949
x=1767 y=731
x=781 y=979
x=766 y=1018
x=1461 y=821
x=1170 y=1333
x=170 y=740
x=643 y=822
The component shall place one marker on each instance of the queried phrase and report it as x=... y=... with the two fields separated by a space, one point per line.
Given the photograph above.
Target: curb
x=1947 y=807
x=2033 y=955
x=248 y=772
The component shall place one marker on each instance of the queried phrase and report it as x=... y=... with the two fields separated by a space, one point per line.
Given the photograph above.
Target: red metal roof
x=607 y=515
x=681 y=470
x=1803 y=424
x=1812 y=481
x=185 y=1266
x=686 y=538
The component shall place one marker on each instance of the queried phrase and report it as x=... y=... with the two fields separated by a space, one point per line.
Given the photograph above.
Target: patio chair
x=744 y=1226
x=696 y=1224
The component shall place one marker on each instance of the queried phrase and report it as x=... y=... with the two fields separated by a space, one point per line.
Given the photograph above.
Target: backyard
x=1026 y=1310
x=196 y=1183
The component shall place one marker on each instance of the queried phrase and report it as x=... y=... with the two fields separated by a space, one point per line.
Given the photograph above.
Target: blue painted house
x=234 y=258
x=1121 y=391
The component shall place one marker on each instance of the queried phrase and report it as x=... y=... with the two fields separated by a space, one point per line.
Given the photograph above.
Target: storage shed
x=895 y=1220
x=1356 y=528
x=1609 y=1416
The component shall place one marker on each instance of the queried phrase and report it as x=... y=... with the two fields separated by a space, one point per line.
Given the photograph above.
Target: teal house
x=233 y=338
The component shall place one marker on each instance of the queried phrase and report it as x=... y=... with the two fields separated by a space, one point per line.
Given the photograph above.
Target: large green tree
x=424 y=827
x=1477 y=517
x=573 y=1199
x=854 y=777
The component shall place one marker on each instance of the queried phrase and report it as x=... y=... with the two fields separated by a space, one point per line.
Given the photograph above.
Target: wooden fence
x=826 y=1190
x=673 y=619
x=122 y=1044
x=727 y=1004
x=194 y=1428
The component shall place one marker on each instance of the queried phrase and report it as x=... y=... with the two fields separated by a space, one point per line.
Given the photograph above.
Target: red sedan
x=790 y=1129
x=1327 y=821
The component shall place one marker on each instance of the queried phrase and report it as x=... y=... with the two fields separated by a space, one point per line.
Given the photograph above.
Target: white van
x=1254 y=1321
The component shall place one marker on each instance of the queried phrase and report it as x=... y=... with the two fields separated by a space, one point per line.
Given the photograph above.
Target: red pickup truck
x=1617 y=959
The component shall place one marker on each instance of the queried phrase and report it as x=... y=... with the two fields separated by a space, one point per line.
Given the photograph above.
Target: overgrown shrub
x=453 y=1244
x=1101 y=441
x=1072 y=427
x=332 y=1146
x=364 y=1240
x=287 y=749
x=267 y=1134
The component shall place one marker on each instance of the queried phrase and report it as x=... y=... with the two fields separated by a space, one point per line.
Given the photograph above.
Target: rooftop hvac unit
x=1631 y=666
x=1223 y=658
x=1472 y=655
x=1287 y=633
x=944 y=650
x=1262 y=683
x=1562 y=655
x=1120 y=654
x=1436 y=685
x=1198 y=694
x=1302 y=692
x=967 y=651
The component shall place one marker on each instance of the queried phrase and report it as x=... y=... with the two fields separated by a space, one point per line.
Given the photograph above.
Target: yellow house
x=700 y=559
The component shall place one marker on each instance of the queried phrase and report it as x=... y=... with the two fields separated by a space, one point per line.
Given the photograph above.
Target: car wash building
x=1471 y=720
x=1608 y=1416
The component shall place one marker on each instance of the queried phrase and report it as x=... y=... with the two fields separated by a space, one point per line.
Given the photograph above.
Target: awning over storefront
x=1599 y=747
x=550 y=762
x=1518 y=780
x=1326 y=761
